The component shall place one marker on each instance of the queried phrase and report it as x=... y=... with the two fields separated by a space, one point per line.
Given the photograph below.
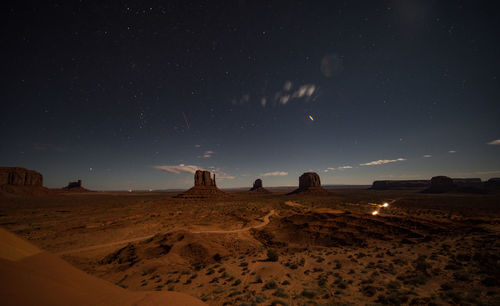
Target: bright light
x=375 y=212
x=311 y=117
x=385 y=204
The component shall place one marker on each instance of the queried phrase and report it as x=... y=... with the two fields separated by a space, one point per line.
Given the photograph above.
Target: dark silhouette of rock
x=257 y=184
x=16 y=180
x=204 y=187
x=441 y=184
x=309 y=182
x=257 y=187
x=76 y=187
x=493 y=183
x=20 y=177
x=400 y=184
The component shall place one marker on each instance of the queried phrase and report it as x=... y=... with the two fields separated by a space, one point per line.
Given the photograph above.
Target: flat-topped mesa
x=204 y=187
x=16 y=180
x=441 y=184
x=309 y=182
x=20 y=177
x=400 y=184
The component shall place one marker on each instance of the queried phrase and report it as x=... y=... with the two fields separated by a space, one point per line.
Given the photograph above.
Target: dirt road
x=265 y=221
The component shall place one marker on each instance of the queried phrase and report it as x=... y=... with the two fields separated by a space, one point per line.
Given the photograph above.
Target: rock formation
x=204 y=187
x=309 y=182
x=75 y=186
x=400 y=184
x=493 y=183
x=441 y=184
x=257 y=187
x=20 y=177
x=21 y=181
x=202 y=178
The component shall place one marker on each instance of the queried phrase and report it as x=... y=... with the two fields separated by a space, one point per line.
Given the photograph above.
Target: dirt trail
x=110 y=244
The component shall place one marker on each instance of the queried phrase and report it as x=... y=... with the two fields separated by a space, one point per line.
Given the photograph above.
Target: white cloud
x=338 y=168
x=275 y=173
x=382 y=161
x=452 y=151
x=221 y=175
x=181 y=168
x=287 y=86
x=284 y=99
x=304 y=90
x=208 y=154
x=427 y=156
x=495 y=142
x=197 y=145
x=178 y=169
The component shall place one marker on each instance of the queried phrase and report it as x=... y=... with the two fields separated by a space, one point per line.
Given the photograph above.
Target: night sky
x=138 y=94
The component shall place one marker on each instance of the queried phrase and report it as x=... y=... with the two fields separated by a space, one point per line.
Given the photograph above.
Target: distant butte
x=309 y=183
x=75 y=187
x=257 y=187
x=204 y=187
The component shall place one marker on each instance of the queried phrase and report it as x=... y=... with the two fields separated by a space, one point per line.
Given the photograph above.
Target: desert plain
x=275 y=249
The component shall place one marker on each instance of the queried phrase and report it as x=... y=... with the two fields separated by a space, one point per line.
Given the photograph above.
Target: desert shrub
x=280 y=293
x=272 y=255
x=210 y=271
x=285 y=282
x=393 y=298
x=188 y=281
x=218 y=290
x=302 y=261
x=308 y=294
x=368 y=290
x=236 y=283
x=244 y=264
x=234 y=293
x=461 y=276
x=270 y=285
x=322 y=279
x=393 y=285
x=279 y=302
x=320 y=259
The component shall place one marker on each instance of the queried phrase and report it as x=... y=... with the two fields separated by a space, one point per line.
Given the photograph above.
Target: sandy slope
x=30 y=276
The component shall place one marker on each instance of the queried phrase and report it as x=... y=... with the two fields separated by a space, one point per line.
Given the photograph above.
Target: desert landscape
x=250 y=153
x=280 y=247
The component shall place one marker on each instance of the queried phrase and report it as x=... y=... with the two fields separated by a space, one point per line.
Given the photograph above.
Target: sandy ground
x=275 y=249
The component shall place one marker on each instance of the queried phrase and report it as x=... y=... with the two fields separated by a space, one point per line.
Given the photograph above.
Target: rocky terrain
x=276 y=249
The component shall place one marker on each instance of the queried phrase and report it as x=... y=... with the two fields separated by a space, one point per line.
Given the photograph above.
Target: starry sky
x=139 y=94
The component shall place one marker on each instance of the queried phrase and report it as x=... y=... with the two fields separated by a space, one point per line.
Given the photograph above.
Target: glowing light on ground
x=385 y=204
x=375 y=212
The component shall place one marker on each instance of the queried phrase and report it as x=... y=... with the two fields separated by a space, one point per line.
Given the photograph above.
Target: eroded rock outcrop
x=257 y=187
x=441 y=184
x=204 y=186
x=75 y=186
x=16 y=180
x=309 y=182
x=20 y=177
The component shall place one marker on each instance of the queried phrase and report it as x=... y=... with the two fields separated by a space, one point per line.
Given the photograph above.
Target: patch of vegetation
x=308 y=294
x=270 y=285
x=272 y=255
